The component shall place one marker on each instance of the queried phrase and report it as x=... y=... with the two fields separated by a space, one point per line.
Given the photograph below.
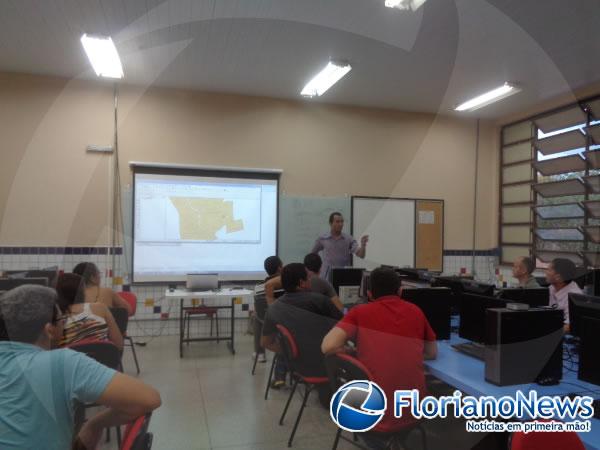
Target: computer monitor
x=436 y=304
x=6 y=284
x=472 y=315
x=581 y=306
x=589 y=349
x=475 y=287
x=454 y=283
x=365 y=284
x=346 y=276
x=533 y=297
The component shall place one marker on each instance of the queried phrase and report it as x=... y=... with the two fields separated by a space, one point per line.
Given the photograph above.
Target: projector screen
x=195 y=221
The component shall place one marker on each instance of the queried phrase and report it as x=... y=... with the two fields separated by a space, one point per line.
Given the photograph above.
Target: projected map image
x=201 y=218
x=198 y=213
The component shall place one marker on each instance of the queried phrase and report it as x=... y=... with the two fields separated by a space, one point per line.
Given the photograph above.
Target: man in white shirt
x=560 y=274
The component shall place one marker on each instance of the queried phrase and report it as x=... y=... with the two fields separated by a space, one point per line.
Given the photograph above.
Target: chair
x=211 y=313
x=545 y=441
x=260 y=310
x=137 y=436
x=130 y=298
x=105 y=353
x=343 y=368
x=291 y=353
x=121 y=319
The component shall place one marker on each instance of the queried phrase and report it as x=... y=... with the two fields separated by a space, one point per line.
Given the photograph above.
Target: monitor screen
x=197 y=221
x=472 y=315
x=436 y=304
x=346 y=276
x=581 y=306
x=533 y=297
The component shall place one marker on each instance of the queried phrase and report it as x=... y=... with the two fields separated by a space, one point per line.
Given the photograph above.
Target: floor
x=211 y=401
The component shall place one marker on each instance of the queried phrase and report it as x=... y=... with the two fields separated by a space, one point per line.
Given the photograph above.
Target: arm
x=269 y=342
x=317 y=246
x=362 y=250
x=114 y=334
x=337 y=302
x=270 y=287
x=120 y=302
x=430 y=350
x=126 y=398
x=334 y=341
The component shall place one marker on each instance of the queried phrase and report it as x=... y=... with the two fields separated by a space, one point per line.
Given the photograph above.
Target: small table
x=215 y=299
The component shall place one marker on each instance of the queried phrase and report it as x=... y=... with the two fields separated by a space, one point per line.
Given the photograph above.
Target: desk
x=467 y=374
x=222 y=299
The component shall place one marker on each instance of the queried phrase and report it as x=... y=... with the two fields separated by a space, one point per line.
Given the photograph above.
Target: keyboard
x=471 y=349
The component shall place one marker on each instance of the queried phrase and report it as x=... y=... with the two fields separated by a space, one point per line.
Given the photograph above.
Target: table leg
x=181 y=327
x=232 y=346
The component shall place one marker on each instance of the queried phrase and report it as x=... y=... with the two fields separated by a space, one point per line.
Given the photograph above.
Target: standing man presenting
x=338 y=247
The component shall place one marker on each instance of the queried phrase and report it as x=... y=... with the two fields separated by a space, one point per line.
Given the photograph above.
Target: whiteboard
x=303 y=219
x=390 y=224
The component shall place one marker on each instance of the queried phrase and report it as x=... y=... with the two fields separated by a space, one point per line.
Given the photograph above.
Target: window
x=550 y=186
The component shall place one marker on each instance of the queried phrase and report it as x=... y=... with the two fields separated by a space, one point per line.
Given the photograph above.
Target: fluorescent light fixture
x=492 y=96
x=411 y=5
x=103 y=56
x=331 y=74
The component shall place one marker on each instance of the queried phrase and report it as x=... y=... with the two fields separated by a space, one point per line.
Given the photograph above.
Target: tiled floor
x=211 y=401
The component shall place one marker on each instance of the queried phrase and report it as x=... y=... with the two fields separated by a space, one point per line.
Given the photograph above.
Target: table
x=467 y=374
x=212 y=299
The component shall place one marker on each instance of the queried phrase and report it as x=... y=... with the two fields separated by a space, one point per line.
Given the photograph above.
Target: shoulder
x=324 y=236
x=574 y=287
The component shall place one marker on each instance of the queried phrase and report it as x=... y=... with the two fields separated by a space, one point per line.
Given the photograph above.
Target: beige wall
x=54 y=193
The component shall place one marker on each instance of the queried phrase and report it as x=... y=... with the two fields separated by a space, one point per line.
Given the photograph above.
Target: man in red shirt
x=392 y=338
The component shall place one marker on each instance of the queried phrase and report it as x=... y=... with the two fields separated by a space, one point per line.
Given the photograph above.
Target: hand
x=364 y=240
x=90 y=435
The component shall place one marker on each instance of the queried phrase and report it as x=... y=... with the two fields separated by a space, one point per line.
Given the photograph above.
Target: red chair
x=130 y=298
x=201 y=310
x=546 y=441
x=290 y=352
x=343 y=368
x=136 y=435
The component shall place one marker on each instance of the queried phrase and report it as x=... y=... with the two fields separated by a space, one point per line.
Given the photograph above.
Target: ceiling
x=429 y=60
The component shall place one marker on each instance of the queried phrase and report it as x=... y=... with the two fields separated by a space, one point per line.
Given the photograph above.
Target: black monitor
x=472 y=315
x=533 y=297
x=365 y=284
x=454 y=283
x=589 y=349
x=581 y=306
x=475 y=287
x=6 y=284
x=436 y=304
x=346 y=276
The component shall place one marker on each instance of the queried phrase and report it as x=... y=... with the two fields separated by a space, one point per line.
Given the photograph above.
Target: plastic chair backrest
x=342 y=368
x=136 y=435
x=546 y=441
x=288 y=343
x=130 y=298
x=121 y=318
x=104 y=352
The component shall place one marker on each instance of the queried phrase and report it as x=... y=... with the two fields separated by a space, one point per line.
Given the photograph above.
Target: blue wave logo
x=358 y=406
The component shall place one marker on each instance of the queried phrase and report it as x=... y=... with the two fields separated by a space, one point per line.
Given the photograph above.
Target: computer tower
x=589 y=350
x=523 y=346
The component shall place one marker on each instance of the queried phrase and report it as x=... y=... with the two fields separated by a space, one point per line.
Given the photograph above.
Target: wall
x=54 y=193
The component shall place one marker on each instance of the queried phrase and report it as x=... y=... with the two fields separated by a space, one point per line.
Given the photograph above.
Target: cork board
x=429 y=218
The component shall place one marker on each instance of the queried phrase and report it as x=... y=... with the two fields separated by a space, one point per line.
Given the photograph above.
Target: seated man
x=522 y=270
x=273 y=266
x=38 y=386
x=560 y=274
x=308 y=316
x=313 y=263
x=392 y=338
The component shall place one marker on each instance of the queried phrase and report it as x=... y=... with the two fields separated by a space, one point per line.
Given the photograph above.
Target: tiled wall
x=157 y=315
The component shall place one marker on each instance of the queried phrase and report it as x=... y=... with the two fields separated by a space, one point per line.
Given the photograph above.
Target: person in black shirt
x=273 y=266
x=307 y=315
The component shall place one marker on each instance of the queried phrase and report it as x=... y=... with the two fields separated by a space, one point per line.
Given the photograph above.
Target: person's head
x=70 y=290
x=273 y=265
x=294 y=278
x=523 y=267
x=89 y=272
x=313 y=262
x=336 y=222
x=560 y=270
x=31 y=315
x=383 y=282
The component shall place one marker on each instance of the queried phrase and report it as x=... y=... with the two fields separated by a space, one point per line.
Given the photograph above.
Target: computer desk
x=467 y=374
